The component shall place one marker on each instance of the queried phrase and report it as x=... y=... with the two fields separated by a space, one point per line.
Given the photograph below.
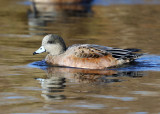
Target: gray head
x=53 y=44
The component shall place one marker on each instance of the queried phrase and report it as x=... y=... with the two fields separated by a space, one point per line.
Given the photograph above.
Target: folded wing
x=96 y=51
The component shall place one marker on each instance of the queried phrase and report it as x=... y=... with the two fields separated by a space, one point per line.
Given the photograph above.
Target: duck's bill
x=40 y=50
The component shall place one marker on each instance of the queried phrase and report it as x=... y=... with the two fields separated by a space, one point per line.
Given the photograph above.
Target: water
x=29 y=86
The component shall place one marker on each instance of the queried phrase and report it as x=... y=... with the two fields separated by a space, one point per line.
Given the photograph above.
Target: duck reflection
x=43 y=11
x=55 y=82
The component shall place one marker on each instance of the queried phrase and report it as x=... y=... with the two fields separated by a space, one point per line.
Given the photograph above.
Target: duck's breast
x=90 y=63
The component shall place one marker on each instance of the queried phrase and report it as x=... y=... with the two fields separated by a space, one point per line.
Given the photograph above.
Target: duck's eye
x=50 y=42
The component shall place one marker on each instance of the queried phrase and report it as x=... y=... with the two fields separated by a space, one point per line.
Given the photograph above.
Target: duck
x=87 y=56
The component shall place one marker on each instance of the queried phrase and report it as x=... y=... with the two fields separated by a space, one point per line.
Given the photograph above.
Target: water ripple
x=113 y=97
x=145 y=63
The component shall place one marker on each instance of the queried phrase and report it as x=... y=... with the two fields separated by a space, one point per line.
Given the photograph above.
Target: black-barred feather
x=96 y=51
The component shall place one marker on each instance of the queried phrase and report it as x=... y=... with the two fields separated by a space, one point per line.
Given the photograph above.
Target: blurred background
x=29 y=86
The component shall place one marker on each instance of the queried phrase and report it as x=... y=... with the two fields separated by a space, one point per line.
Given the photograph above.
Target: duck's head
x=53 y=44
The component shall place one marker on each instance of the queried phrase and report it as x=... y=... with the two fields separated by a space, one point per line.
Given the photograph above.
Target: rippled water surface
x=29 y=86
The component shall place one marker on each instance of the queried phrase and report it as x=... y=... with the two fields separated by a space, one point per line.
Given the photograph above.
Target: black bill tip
x=35 y=53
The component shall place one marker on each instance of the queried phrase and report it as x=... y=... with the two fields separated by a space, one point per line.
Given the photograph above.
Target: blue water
x=128 y=2
x=145 y=63
x=113 y=2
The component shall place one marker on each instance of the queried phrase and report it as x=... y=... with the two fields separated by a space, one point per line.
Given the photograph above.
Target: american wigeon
x=88 y=56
